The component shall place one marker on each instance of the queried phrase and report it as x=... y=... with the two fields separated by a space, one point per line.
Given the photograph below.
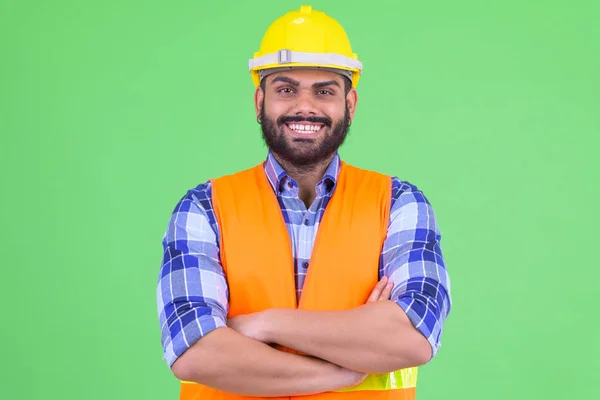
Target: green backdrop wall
x=110 y=110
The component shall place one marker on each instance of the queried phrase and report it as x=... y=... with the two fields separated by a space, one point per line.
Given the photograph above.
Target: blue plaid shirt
x=192 y=293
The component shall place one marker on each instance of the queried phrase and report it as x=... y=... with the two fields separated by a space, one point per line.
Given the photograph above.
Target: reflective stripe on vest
x=403 y=379
x=257 y=258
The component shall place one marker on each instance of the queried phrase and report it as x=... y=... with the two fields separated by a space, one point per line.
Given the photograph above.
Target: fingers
x=387 y=291
x=377 y=290
x=381 y=291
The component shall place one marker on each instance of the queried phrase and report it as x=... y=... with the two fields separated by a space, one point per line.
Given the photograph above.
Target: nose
x=305 y=104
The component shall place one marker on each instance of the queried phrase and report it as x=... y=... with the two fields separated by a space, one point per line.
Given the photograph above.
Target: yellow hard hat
x=305 y=38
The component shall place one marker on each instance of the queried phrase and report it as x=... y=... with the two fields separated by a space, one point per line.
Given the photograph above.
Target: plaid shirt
x=192 y=293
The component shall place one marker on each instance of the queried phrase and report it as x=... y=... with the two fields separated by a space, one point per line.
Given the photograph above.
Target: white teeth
x=304 y=128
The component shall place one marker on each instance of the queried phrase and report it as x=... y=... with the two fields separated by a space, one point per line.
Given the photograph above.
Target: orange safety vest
x=257 y=258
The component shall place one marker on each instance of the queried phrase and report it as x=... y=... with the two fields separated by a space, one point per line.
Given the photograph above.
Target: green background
x=111 y=110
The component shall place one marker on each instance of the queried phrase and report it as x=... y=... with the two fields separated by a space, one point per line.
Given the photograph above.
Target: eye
x=325 y=92
x=285 y=90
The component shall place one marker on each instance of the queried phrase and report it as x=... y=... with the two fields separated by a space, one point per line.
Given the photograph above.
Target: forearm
x=376 y=337
x=233 y=363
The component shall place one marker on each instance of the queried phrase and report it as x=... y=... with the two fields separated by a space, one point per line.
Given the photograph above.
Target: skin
x=239 y=358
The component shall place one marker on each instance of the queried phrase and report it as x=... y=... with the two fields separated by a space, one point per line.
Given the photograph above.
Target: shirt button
x=305 y=264
x=290 y=185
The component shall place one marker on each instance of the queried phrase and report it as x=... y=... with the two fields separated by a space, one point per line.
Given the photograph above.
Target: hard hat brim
x=297 y=57
x=287 y=59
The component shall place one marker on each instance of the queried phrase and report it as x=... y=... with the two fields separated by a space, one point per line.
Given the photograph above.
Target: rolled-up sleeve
x=192 y=290
x=412 y=258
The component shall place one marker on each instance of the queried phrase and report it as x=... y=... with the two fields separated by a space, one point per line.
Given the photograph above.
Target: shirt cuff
x=424 y=320
x=193 y=331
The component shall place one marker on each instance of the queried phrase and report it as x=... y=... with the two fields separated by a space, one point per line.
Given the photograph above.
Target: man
x=304 y=275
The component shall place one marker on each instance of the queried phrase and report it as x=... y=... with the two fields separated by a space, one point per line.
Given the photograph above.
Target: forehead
x=307 y=77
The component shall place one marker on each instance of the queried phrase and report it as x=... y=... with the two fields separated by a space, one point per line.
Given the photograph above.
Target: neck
x=307 y=177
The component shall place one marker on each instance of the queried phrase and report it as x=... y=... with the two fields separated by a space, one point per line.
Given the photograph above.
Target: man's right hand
x=350 y=378
x=344 y=378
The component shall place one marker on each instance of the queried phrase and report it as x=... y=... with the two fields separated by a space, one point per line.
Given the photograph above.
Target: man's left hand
x=381 y=291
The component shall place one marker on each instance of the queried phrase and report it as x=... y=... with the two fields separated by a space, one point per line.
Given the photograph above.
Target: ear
x=258 y=100
x=352 y=101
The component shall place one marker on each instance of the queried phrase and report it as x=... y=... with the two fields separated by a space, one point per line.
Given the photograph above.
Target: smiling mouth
x=305 y=129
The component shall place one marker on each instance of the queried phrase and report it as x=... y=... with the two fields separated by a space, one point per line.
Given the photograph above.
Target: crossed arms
x=241 y=361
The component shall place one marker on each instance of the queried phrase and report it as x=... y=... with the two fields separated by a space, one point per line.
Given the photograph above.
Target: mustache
x=284 y=119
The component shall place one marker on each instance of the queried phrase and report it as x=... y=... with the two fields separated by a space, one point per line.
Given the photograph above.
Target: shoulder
x=197 y=198
x=195 y=207
x=404 y=192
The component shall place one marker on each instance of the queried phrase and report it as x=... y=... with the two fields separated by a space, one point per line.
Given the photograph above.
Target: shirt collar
x=277 y=176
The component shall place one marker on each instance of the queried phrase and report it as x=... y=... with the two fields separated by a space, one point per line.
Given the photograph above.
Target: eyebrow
x=326 y=83
x=315 y=85
x=286 y=80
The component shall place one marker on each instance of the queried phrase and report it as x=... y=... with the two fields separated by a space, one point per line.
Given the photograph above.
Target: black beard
x=274 y=137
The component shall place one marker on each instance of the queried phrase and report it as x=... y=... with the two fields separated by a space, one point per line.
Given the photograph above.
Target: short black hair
x=347 y=84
